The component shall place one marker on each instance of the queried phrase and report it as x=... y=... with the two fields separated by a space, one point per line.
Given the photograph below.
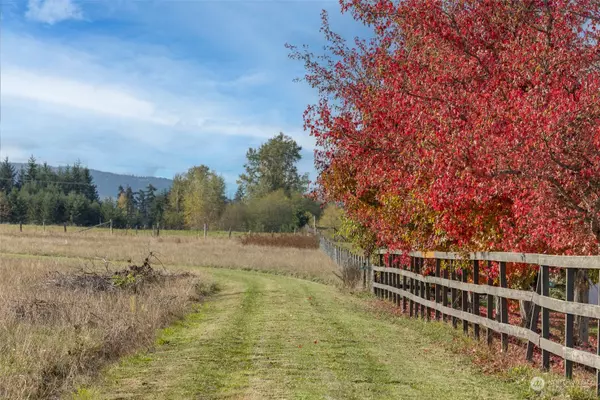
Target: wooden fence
x=443 y=292
x=347 y=259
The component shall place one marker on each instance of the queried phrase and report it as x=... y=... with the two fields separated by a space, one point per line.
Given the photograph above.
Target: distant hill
x=108 y=183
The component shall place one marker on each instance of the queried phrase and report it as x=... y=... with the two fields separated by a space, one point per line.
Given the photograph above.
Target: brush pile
x=132 y=278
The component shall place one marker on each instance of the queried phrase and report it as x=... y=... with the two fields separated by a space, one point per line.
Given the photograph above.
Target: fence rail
x=353 y=266
x=453 y=291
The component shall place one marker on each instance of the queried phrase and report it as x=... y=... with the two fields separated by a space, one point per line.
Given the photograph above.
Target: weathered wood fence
x=443 y=289
x=347 y=259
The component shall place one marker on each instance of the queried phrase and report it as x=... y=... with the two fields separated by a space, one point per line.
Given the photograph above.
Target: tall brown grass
x=51 y=336
x=181 y=251
x=281 y=240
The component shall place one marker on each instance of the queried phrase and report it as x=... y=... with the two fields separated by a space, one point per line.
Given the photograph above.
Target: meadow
x=95 y=315
x=59 y=326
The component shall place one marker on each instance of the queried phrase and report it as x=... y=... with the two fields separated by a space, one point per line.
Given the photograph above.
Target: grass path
x=274 y=337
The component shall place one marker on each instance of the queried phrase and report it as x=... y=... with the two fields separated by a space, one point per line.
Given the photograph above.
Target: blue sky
x=154 y=87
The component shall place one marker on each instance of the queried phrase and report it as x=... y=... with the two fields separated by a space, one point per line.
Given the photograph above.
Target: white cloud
x=52 y=11
x=112 y=101
x=121 y=81
x=128 y=106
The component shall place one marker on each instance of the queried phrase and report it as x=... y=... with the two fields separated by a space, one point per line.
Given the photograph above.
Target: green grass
x=274 y=337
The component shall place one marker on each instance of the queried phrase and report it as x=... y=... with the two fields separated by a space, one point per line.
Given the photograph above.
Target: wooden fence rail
x=443 y=293
x=347 y=259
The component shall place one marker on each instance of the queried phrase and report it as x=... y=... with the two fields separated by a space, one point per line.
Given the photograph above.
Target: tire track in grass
x=359 y=375
x=207 y=356
x=225 y=369
x=304 y=354
x=288 y=364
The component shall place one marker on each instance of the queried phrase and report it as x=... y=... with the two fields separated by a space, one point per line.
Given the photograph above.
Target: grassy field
x=95 y=246
x=264 y=335
x=272 y=337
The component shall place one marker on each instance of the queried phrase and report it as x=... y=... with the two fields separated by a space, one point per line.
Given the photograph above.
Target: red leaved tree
x=464 y=124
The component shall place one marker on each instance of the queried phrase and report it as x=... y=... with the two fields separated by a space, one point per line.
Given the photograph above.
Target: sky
x=154 y=87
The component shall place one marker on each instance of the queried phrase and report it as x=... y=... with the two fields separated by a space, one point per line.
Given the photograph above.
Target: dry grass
x=281 y=240
x=52 y=336
x=182 y=251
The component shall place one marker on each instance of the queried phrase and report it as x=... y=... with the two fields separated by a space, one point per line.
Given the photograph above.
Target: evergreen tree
x=8 y=176
x=31 y=170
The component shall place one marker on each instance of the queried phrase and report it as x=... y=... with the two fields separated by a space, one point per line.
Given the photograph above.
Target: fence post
x=399 y=297
x=422 y=286
x=65 y=227
x=416 y=287
x=453 y=294
x=372 y=273
x=386 y=281
x=412 y=287
x=364 y=274
x=21 y=227
x=545 y=316
x=476 y=297
x=417 y=292
x=394 y=280
x=535 y=315
x=111 y=226
x=157 y=229
x=445 y=291
x=44 y=224
x=598 y=349
x=427 y=297
x=405 y=288
x=438 y=292
x=205 y=231
x=503 y=306
x=490 y=305
x=569 y=319
x=465 y=301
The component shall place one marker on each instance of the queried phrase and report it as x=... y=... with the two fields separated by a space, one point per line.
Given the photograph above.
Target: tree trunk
x=582 y=289
x=526 y=310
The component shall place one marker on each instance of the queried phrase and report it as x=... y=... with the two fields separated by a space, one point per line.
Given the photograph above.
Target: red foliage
x=464 y=125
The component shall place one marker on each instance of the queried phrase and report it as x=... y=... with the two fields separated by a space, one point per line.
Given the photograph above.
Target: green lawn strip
x=225 y=365
x=415 y=352
x=256 y=340
x=357 y=374
x=288 y=362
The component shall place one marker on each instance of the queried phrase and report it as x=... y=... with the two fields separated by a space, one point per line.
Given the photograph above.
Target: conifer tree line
x=270 y=196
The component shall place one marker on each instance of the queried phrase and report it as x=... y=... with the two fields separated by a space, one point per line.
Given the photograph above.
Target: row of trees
x=270 y=197
x=38 y=194
x=464 y=125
